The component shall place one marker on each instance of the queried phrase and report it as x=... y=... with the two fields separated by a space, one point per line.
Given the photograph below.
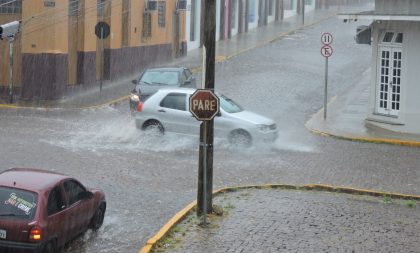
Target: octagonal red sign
x=204 y=104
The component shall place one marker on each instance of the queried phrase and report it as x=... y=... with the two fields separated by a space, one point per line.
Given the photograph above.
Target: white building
x=394 y=102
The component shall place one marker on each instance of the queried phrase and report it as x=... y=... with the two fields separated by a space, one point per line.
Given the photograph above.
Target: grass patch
x=387 y=199
x=410 y=203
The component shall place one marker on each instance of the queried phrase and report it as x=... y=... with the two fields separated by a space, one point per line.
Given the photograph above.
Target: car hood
x=252 y=118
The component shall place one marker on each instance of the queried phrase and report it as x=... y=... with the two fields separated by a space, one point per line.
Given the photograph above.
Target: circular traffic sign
x=326 y=38
x=326 y=51
x=102 y=30
x=204 y=104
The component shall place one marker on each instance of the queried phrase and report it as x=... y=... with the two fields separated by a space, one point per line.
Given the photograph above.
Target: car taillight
x=35 y=234
x=140 y=106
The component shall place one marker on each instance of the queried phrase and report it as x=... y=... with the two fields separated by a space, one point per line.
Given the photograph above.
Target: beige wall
x=88 y=20
x=44 y=29
x=116 y=19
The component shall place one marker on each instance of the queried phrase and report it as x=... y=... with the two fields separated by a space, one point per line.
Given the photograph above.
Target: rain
x=92 y=135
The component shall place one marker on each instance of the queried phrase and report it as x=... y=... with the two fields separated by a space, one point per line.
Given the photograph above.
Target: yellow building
x=57 y=49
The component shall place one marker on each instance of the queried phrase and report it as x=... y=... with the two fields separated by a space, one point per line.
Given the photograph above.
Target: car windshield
x=228 y=105
x=160 y=77
x=17 y=204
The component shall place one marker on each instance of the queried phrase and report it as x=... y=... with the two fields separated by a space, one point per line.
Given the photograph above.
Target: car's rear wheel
x=153 y=127
x=98 y=218
x=240 y=138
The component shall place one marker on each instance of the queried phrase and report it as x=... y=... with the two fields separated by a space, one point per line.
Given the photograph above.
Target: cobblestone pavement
x=275 y=220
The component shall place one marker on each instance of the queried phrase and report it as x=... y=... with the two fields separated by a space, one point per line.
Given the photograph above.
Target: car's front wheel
x=98 y=217
x=240 y=138
x=153 y=127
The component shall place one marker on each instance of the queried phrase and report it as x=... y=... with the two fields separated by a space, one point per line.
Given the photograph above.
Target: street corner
x=305 y=219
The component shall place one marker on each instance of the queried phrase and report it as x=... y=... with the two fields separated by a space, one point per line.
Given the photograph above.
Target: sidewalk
x=280 y=220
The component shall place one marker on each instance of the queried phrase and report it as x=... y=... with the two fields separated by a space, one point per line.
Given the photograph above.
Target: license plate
x=2 y=234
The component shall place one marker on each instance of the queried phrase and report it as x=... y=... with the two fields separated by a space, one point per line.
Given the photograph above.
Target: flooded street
x=147 y=179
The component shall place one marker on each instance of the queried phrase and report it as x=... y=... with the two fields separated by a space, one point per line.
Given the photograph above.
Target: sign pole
x=102 y=60
x=11 y=69
x=326 y=88
x=205 y=130
x=205 y=177
x=326 y=51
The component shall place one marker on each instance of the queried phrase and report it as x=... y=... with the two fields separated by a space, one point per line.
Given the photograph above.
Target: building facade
x=394 y=87
x=57 y=49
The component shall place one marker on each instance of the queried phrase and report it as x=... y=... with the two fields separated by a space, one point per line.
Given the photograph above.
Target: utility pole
x=11 y=41
x=205 y=170
x=303 y=11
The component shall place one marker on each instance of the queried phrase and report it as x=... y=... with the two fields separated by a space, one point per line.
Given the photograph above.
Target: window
x=161 y=13
x=229 y=105
x=10 y=6
x=17 y=203
x=151 y=5
x=73 y=189
x=73 y=7
x=55 y=201
x=147 y=25
x=161 y=77
x=175 y=101
x=101 y=7
x=399 y=38
x=388 y=37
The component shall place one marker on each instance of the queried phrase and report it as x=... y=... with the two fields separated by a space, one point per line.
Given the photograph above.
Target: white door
x=389 y=80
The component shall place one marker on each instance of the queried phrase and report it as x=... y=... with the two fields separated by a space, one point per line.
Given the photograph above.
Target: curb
x=368 y=139
x=46 y=108
x=197 y=69
x=310 y=187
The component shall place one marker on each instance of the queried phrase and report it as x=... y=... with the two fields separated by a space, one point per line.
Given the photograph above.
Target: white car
x=168 y=111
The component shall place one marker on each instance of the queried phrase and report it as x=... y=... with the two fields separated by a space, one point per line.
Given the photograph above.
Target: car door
x=175 y=116
x=80 y=210
x=57 y=216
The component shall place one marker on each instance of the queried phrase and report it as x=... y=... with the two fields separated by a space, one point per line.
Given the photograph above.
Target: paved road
x=147 y=180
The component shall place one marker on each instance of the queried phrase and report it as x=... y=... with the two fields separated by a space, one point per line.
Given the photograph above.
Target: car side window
x=73 y=190
x=55 y=201
x=175 y=101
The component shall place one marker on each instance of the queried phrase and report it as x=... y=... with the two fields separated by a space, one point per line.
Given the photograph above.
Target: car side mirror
x=134 y=81
x=219 y=114
x=85 y=195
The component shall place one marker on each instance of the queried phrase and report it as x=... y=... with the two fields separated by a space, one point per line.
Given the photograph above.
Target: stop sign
x=204 y=104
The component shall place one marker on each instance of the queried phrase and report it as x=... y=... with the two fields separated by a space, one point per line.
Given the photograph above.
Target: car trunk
x=15 y=230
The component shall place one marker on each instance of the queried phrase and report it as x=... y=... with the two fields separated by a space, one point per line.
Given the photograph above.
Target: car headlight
x=263 y=128
x=266 y=128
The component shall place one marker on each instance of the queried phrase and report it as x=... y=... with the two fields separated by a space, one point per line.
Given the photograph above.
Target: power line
x=8 y=2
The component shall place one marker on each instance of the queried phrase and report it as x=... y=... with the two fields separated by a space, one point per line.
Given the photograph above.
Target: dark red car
x=40 y=211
